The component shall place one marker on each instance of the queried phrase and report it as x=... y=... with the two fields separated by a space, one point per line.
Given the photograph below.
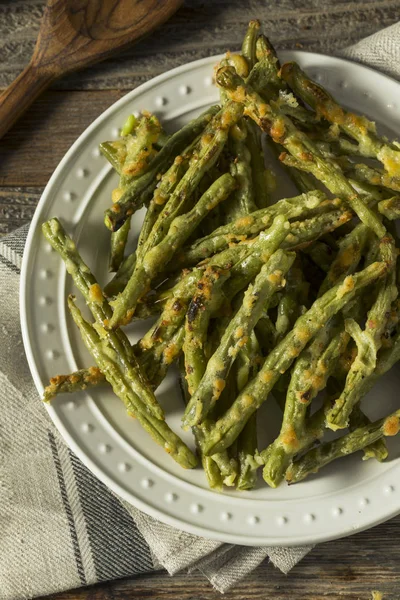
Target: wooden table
x=349 y=568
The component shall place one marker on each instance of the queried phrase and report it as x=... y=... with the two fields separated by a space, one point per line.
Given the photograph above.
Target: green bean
x=368 y=342
x=122 y=276
x=291 y=303
x=281 y=129
x=390 y=208
x=321 y=254
x=247 y=445
x=157 y=428
x=309 y=376
x=378 y=449
x=228 y=427
x=252 y=224
x=100 y=309
x=111 y=153
x=357 y=127
x=258 y=170
x=75 y=382
x=302 y=180
x=356 y=440
x=174 y=311
x=348 y=257
x=249 y=43
x=156 y=361
x=236 y=335
x=141 y=189
x=197 y=321
x=242 y=201
x=154 y=261
x=117 y=245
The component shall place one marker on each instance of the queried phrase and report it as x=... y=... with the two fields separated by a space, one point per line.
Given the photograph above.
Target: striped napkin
x=60 y=527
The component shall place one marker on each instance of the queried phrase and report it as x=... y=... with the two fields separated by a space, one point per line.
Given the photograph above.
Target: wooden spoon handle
x=21 y=93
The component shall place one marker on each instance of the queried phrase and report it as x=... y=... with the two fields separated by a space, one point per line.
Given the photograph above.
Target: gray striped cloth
x=60 y=527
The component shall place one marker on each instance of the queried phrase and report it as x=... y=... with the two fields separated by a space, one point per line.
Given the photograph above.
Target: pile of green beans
x=255 y=297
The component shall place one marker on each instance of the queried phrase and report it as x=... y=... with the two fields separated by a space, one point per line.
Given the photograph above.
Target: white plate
x=345 y=497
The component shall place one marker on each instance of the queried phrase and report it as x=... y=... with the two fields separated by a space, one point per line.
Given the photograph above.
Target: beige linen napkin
x=60 y=527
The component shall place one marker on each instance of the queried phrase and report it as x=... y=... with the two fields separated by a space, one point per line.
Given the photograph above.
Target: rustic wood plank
x=17 y=205
x=348 y=569
x=32 y=149
x=209 y=28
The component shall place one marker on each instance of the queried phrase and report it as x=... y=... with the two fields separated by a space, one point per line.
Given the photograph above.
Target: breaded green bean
x=356 y=440
x=157 y=428
x=75 y=382
x=247 y=364
x=348 y=257
x=355 y=126
x=197 y=321
x=249 y=43
x=282 y=130
x=154 y=261
x=270 y=278
x=100 y=309
x=242 y=201
x=141 y=189
x=228 y=427
x=368 y=341
x=310 y=373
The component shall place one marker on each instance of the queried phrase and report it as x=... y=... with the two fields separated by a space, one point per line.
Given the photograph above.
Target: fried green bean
x=75 y=382
x=390 y=208
x=348 y=257
x=249 y=43
x=228 y=427
x=174 y=311
x=368 y=341
x=251 y=224
x=242 y=201
x=357 y=127
x=100 y=309
x=141 y=189
x=248 y=361
x=309 y=376
x=256 y=298
x=197 y=321
x=356 y=440
x=117 y=245
x=258 y=170
x=378 y=449
x=157 y=428
x=153 y=262
x=282 y=130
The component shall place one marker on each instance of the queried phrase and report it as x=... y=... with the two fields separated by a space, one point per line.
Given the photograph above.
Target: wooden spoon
x=77 y=33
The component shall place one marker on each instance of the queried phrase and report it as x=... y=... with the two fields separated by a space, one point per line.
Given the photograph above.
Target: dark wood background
x=350 y=568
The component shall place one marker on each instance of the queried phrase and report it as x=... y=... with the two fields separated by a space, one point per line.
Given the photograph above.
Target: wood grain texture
x=348 y=569
x=200 y=29
x=30 y=152
x=77 y=33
